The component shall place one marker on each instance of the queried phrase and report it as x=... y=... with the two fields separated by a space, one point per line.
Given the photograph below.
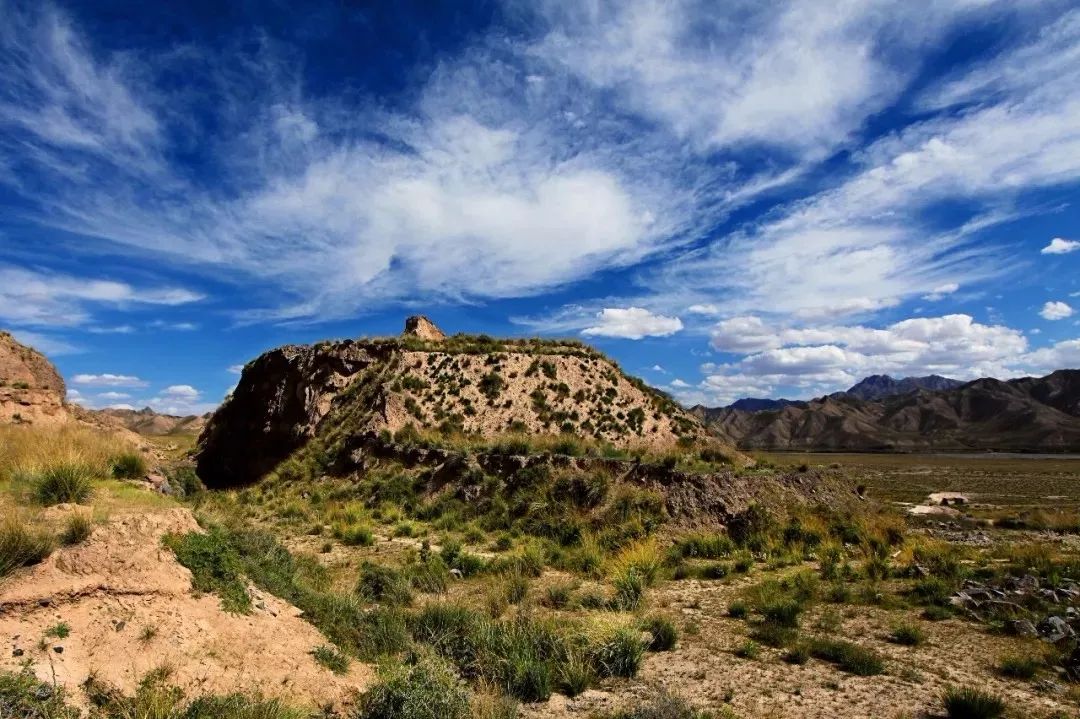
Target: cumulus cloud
x=1060 y=246
x=108 y=380
x=114 y=395
x=181 y=391
x=235 y=369
x=818 y=359
x=632 y=323
x=1055 y=311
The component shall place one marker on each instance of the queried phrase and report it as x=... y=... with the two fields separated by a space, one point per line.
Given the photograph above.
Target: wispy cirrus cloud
x=43 y=298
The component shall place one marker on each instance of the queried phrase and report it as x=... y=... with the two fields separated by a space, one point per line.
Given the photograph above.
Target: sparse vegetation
x=77 y=529
x=21 y=544
x=970 y=703
x=331 y=658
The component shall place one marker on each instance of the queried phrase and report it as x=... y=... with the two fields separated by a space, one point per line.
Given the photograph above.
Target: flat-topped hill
x=471 y=386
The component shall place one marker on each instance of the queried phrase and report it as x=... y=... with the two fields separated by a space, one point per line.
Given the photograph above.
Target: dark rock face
x=276 y=407
x=1029 y=414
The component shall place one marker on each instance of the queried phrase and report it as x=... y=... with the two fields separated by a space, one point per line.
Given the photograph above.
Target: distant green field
x=1007 y=480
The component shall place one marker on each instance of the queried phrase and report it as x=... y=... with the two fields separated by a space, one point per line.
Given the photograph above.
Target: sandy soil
x=120 y=582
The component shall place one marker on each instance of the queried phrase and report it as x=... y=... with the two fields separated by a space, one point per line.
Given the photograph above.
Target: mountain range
x=916 y=414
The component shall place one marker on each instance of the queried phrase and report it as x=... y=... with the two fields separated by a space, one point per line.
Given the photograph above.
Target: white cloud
x=825 y=358
x=1062 y=355
x=29 y=297
x=117 y=330
x=114 y=395
x=1060 y=246
x=108 y=380
x=632 y=323
x=658 y=368
x=941 y=291
x=1055 y=311
x=119 y=405
x=181 y=391
x=720 y=74
x=235 y=369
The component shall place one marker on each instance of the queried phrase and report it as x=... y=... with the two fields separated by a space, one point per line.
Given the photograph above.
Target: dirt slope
x=109 y=589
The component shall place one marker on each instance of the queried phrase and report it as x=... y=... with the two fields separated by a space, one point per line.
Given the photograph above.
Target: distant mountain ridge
x=1028 y=414
x=877 y=386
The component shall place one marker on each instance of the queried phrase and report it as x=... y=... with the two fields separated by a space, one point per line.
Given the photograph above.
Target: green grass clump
x=331 y=658
x=629 y=589
x=908 y=635
x=663 y=631
x=429 y=575
x=21 y=544
x=129 y=465
x=383 y=584
x=354 y=535
x=620 y=655
x=782 y=612
x=1018 y=666
x=557 y=596
x=849 y=656
x=60 y=630
x=77 y=530
x=70 y=482
x=215 y=566
x=970 y=703
x=21 y=695
x=738 y=610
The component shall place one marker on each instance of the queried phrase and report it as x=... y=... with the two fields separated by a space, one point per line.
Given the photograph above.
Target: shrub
x=1017 y=666
x=848 y=656
x=908 y=635
x=129 y=465
x=78 y=529
x=21 y=545
x=620 y=655
x=737 y=610
x=704 y=546
x=798 y=654
x=387 y=585
x=331 y=658
x=427 y=689
x=663 y=631
x=969 y=703
x=64 y=482
x=61 y=630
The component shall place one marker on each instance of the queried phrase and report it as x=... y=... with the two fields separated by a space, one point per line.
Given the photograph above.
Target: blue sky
x=732 y=199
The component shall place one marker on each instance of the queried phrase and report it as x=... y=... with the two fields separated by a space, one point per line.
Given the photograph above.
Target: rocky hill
x=464 y=386
x=31 y=390
x=1029 y=414
x=148 y=422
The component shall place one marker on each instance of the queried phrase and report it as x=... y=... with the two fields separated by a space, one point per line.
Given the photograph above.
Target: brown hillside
x=1028 y=414
x=31 y=390
x=461 y=385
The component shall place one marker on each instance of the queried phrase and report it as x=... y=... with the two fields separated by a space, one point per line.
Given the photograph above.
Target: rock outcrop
x=420 y=326
x=470 y=385
x=31 y=390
